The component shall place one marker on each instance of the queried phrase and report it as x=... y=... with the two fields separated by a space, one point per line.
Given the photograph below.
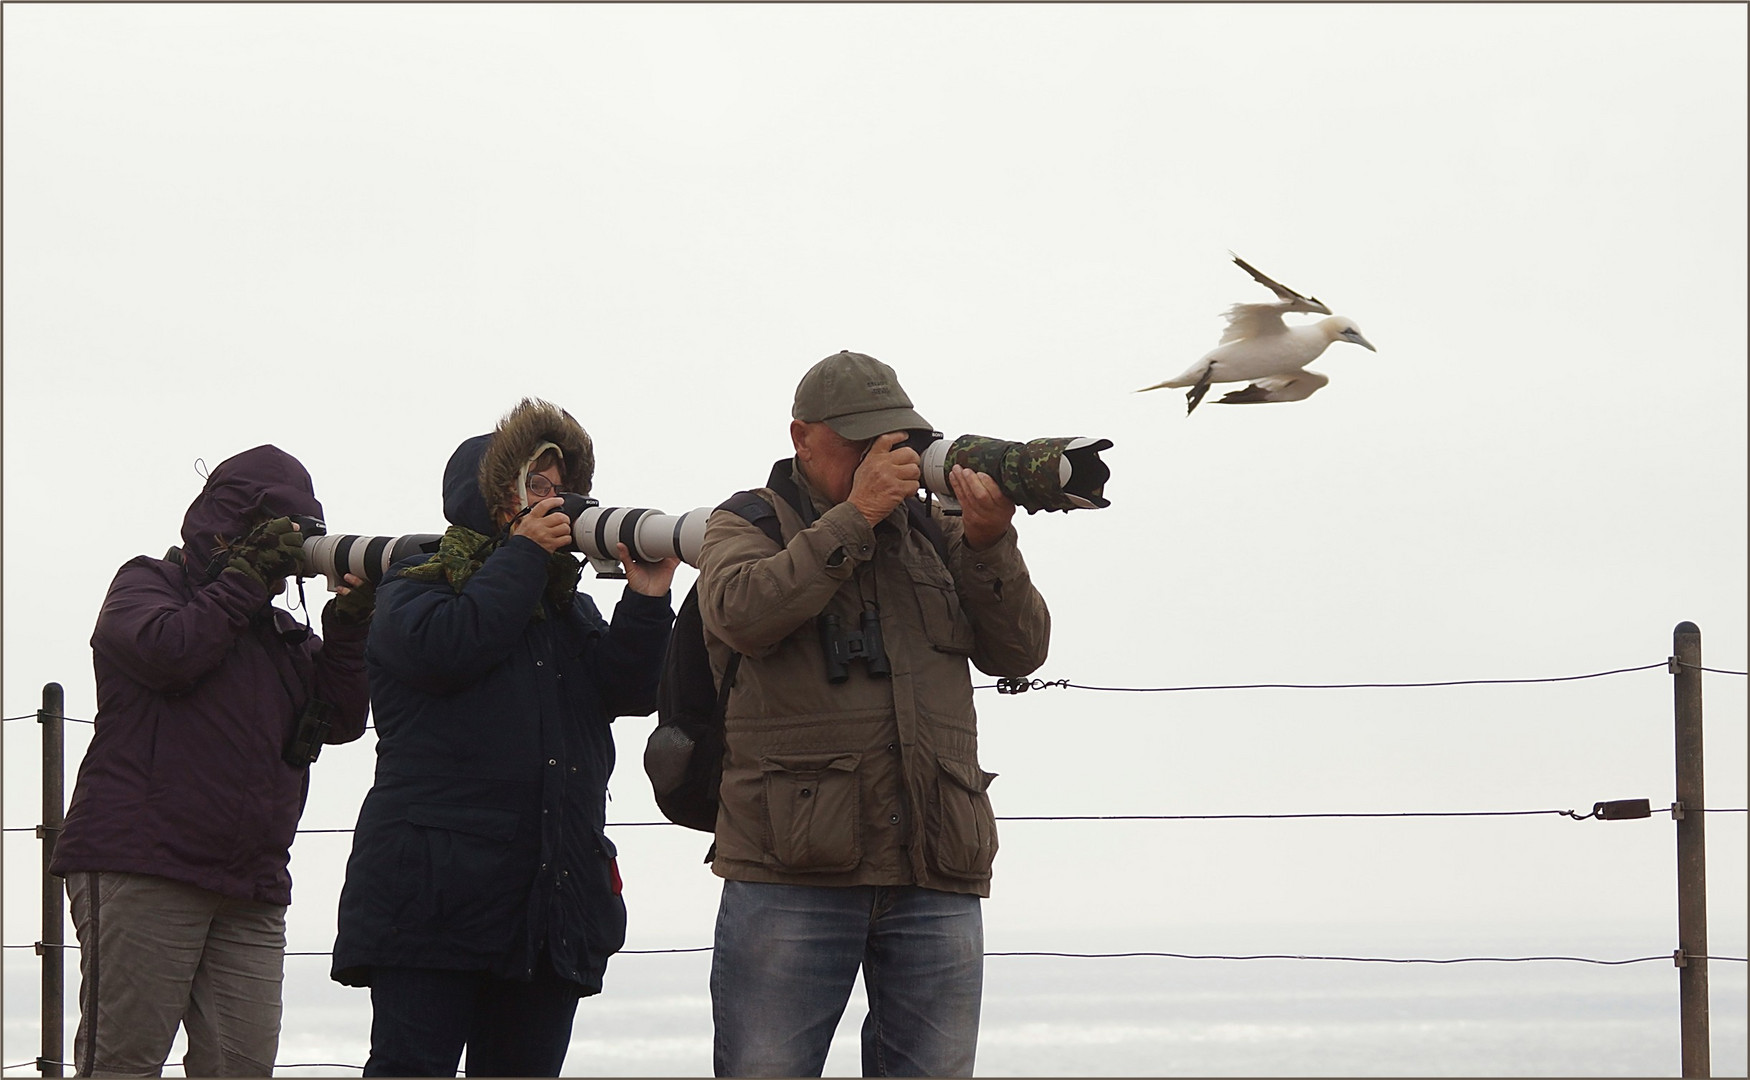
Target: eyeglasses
x=539 y=486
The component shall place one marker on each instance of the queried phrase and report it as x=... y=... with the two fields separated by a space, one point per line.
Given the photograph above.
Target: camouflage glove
x=354 y=607
x=271 y=551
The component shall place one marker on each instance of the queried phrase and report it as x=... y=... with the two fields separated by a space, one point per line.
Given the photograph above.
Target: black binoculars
x=840 y=647
x=305 y=745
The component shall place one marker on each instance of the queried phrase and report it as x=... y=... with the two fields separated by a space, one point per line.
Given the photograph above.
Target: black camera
x=919 y=440
x=309 y=526
x=571 y=504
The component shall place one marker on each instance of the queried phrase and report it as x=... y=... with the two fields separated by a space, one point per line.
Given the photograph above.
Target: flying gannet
x=1260 y=349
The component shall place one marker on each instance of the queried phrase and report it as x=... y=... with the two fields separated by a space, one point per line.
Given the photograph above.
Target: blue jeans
x=422 y=1017
x=786 y=959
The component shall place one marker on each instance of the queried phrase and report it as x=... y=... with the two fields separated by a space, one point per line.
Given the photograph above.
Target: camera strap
x=299 y=634
x=782 y=482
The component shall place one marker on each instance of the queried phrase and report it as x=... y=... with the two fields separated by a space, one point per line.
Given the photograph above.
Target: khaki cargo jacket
x=870 y=781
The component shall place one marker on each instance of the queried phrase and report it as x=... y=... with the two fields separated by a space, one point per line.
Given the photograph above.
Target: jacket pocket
x=966 y=827
x=946 y=626
x=604 y=911
x=472 y=888
x=813 y=812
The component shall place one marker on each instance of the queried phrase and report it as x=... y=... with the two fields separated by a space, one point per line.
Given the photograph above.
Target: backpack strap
x=755 y=510
x=758 y=511
x=781 y=482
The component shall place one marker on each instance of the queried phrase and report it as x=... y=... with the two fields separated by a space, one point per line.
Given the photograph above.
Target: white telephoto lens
x=933 y=464
x=650 y=535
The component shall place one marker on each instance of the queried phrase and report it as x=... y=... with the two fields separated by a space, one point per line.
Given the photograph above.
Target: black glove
x=354 y=607
x=270 y=551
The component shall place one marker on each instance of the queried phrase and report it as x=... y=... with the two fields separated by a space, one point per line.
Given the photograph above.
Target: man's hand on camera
x=649 y=579
x=551 y=531
x=885 y=478
x=269 y=552
x=985 y=512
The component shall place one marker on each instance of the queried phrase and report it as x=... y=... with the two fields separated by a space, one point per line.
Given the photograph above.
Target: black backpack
x=684 y=756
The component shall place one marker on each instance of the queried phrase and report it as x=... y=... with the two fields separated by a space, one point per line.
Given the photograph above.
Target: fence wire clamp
x=1677 y=813
x=1678 y=959
x=1622 y=809
x=1673 y=665
x=1007 y=685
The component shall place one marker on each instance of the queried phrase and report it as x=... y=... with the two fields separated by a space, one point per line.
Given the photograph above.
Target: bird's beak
x=1364 y=343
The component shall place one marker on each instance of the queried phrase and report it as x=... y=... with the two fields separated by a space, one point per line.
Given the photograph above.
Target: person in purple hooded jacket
x=177 y=840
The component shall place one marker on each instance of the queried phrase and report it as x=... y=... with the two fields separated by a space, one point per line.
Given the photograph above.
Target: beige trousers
x=155 y=953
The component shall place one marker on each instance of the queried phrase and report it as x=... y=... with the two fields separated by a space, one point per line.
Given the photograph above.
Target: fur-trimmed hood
x=485 y=466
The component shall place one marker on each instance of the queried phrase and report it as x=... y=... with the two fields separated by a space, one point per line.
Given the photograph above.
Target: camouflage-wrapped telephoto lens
x=1042 y=474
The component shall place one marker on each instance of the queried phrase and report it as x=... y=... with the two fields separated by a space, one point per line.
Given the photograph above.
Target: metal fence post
x=1691 y=850
x=53 y=945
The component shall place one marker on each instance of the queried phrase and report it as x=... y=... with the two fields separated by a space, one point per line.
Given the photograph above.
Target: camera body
x=309 y=526
x=919 y=441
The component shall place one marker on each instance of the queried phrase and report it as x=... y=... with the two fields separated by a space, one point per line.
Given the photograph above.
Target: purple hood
x=263 y=479
x=199 y=686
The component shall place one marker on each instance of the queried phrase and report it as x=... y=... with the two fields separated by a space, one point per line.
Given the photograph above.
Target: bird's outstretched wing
x=1291 y=300
x=1250 y=321
x=1297 y=387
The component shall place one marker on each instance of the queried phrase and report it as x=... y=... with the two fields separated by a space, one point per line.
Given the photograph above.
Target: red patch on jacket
x=614 y=874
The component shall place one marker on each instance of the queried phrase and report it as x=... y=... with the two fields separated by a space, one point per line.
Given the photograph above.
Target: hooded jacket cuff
x=335 y=628
x=644 y=608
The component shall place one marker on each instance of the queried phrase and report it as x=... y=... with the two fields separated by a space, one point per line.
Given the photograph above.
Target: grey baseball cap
x=857 y=396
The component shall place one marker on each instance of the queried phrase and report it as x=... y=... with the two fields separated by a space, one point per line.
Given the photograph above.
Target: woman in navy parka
x=482 y=898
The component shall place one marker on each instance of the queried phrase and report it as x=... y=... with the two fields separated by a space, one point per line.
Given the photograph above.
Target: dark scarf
x=463 y=551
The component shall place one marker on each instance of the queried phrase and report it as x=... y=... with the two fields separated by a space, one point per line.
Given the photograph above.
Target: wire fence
x=1017 y=686
x=1135 y=953
x=1326 y=815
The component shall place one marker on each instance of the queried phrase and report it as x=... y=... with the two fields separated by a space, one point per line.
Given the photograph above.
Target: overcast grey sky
x=362 y=232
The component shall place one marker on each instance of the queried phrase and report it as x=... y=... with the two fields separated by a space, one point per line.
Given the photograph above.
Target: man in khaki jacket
x=854 y=830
